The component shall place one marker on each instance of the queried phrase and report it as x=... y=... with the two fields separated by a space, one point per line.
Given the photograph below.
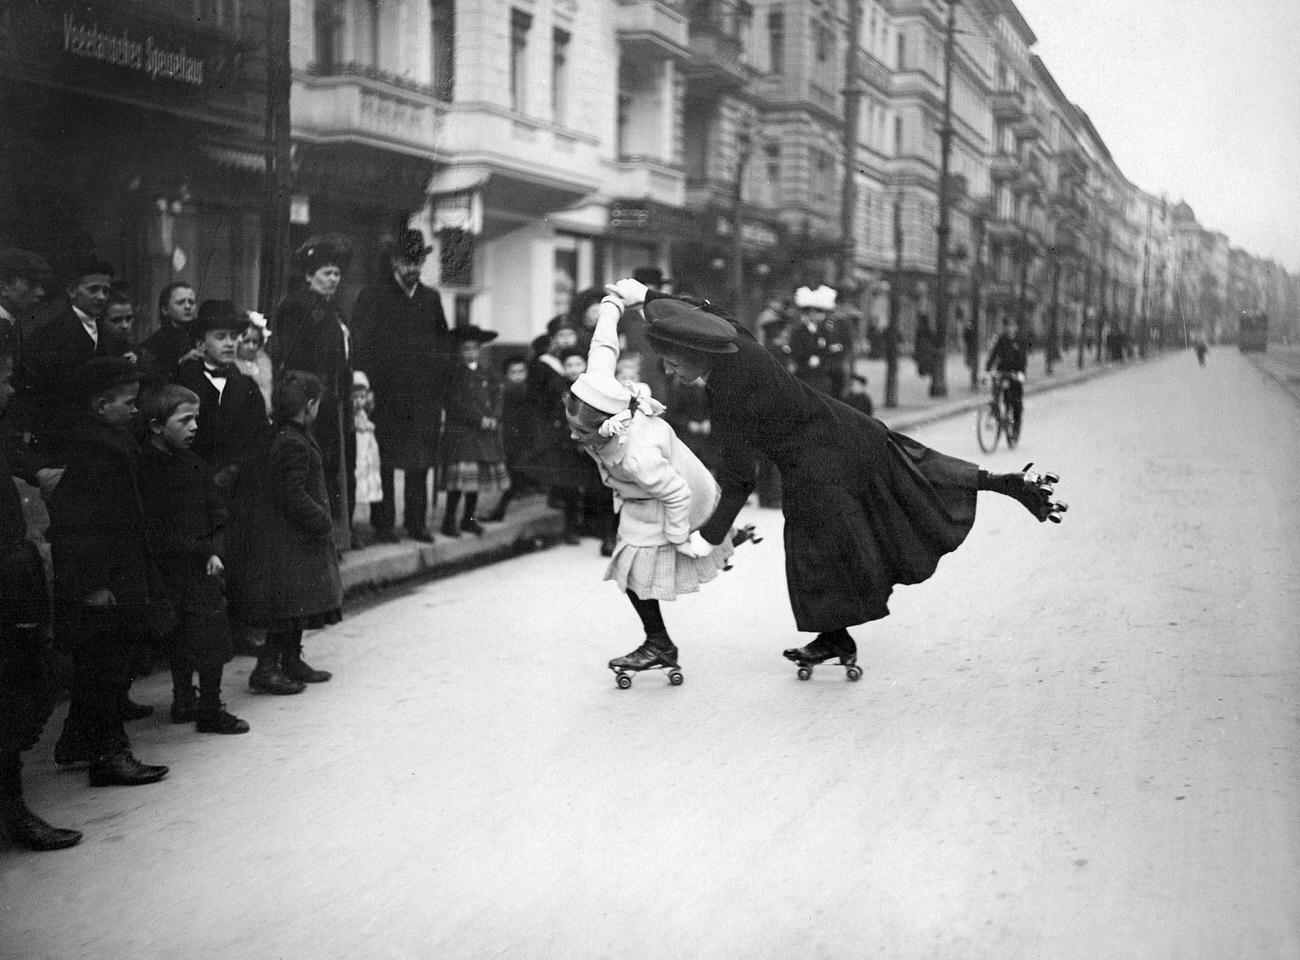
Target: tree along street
x=1075 y=741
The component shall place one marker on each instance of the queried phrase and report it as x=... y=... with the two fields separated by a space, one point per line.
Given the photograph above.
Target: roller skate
x=657 y=653
x=739 y=535
x=1035 y=492
x=823 y=648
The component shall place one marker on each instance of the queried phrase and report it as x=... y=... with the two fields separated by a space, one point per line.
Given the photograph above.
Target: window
x=442 y=15
x=559 y=74
x=822 y=39
x=329 y=35
x=372 y=46
x=624 y=123
x=745 y=31
x=775 y=41
x=218 y=13
x=902 y=52
x=772 y=173
x=898 y=136
x=519 y=24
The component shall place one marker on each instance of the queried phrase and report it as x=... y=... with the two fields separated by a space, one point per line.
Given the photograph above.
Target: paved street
x=1073 y=742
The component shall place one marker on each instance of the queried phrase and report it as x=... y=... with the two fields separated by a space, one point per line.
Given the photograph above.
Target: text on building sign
x=120 y=50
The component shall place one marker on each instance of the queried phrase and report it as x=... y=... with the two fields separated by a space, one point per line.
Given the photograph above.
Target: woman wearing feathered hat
x=311 y=334
x=865 y=508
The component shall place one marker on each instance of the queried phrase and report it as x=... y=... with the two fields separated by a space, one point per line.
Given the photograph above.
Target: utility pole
x=1087 y=298
x=849 y=188
x=895 y=293
x=976 y=278
x=278 y=183
x=744 y=144
x=1056 y=305
x=939 y=370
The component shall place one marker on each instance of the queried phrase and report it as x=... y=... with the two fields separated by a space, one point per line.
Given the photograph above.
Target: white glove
x=696 y=546
x=631 y=292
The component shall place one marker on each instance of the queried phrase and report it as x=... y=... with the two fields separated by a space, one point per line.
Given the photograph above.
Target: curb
x=533 y=526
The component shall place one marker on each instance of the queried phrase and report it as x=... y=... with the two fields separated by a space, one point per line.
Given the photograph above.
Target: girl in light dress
x=662 y=493
x=251 y=357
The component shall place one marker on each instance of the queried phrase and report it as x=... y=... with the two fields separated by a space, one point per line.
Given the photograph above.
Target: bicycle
x=995 y=419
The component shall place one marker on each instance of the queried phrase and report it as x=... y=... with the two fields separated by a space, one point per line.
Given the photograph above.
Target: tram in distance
x=1252 y=332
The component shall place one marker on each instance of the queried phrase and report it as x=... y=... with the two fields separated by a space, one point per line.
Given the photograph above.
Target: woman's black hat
x=675 y=323
x=324 y=251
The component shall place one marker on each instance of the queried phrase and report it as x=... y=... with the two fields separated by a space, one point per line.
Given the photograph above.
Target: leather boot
x=18 y=824
x=449 y=514
x=215 y=719
x=122 y=769
x=184 y=704
x=296 y=669
x=268 y=677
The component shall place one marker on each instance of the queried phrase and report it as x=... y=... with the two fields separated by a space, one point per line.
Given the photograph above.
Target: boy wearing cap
x=232 y=411
x=109 y=600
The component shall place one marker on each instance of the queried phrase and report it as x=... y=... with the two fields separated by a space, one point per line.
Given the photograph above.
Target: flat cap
x=15 y=264
x=678 y=323
x=100 y=375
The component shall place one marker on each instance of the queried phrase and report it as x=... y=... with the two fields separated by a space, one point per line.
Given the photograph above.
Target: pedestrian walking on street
x=186 y=512
x=311 y=335
x=663 y=492
x=403 y=346
x=865 y=508
x=110 y=604
x=282 y=570
x=473 y=454
x=809 y=348
x=25 y=701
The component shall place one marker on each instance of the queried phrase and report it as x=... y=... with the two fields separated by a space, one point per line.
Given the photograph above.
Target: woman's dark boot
x=268 y=677
x=449 y=514
x=836 y=643
x=469 y=523
x=22 y=827
x=296 y=669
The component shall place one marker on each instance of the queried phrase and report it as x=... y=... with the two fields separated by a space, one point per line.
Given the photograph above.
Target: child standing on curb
x=472 y=451
x=283 y=570
x=186 y=516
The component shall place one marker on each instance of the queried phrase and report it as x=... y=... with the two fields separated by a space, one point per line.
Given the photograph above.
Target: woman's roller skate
x=1035 y=492
x=823 y=648
x=657 y=653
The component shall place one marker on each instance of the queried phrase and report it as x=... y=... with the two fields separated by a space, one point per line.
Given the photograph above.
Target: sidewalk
x=1281 y=364
x=532 y=525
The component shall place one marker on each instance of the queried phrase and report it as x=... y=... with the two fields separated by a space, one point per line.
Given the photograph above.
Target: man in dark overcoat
x=232 y=412
x=24 y=278
x=59 y=348
x=404 y=349
x=24 y=618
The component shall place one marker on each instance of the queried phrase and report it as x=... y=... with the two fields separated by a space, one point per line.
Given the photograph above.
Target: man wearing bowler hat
x=404 y=349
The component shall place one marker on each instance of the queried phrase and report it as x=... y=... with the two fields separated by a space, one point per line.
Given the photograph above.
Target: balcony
x=645 y=178
x=1031 y=178
x=524 y=166
x=1073 y=163
x=1026 y=128
x=652 y=29
x=353 y=104
x=1008 y=105
x=715 y=66
x=1004 y=167
x=1071 y=203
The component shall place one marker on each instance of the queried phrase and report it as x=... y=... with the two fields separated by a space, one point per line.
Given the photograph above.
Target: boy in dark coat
x=187 y=517
x=24 y=618
x=232 y=412
x=108 y=593
x=518 y=430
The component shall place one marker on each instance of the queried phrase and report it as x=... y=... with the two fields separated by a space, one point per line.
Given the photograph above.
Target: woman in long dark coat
x=283 y=571
x=311 y=334
x=865 y=508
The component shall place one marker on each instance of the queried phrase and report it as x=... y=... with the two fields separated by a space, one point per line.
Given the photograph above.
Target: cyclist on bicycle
x=1009 y=357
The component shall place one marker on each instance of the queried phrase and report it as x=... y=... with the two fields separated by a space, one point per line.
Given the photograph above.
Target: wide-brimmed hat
x=324 y=251
x=411 y=245
x=675 y=323
x=650 y=276
x=472 y=334
x=218 y=315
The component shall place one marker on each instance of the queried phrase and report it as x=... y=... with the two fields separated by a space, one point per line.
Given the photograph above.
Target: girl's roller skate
x=823 y=648
x=657 y=653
